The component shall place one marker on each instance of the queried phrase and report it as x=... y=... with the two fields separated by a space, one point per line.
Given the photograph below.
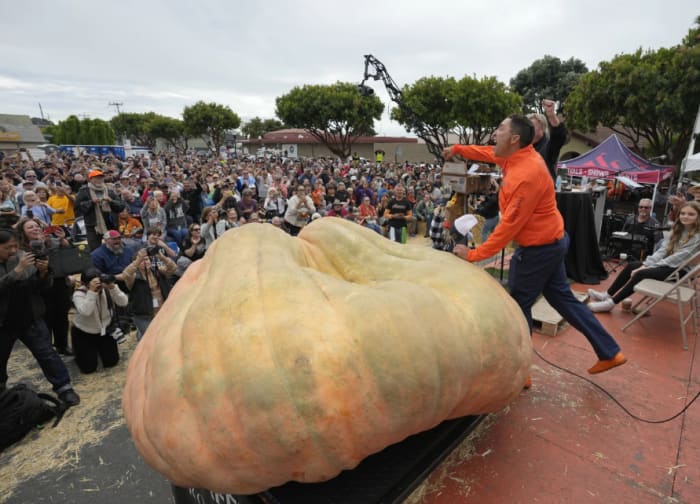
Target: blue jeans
x=373 y=227
x=142 y=322
x=37 y=339
x=177 y=234
x=540 y=270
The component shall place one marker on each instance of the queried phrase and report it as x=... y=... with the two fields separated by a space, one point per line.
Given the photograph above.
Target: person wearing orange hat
x=99 y=206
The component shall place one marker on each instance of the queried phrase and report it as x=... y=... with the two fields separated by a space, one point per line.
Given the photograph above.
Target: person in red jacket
x=529 y=215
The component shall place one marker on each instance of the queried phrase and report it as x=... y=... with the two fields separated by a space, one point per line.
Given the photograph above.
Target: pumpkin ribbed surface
x=278 y=358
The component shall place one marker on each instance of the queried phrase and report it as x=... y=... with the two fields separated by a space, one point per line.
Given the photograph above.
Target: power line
x=116 y=105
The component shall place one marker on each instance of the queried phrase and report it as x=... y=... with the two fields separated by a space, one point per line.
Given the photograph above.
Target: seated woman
x=130 y=228
x=153 y=216
x=92 y=318
x=368 y=215
x=683 y=242
x=228 y=220
x=274 y=204
x=193 y=249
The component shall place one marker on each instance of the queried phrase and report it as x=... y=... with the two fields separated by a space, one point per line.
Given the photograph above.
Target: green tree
x=257 y=127
x=211 y=121
x=472 y=108
x=73 y=131
x=67 y=132
x=171 y=130
x=650 y=98
x=132 y=125
x=426 y=108
x=96 y=132
x=693 y=37
x=548 y=77
x=334 y=114
x=479 y=106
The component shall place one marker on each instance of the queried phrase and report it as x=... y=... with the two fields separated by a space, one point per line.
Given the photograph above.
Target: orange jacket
x=529 y=213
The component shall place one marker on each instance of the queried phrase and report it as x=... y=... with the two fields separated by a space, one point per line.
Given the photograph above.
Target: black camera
x=153 y=251
x=38 y=248
x=106 y=278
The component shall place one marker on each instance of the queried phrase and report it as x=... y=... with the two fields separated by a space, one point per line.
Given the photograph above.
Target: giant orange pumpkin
x=278 y=358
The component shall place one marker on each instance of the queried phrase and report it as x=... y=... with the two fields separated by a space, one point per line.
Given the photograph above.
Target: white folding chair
x=679 y=288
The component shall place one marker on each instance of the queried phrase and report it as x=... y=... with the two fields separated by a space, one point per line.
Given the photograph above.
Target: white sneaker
x=597 y=295
x=602 y=306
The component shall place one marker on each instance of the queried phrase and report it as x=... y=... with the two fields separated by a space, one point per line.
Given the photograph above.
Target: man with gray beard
x=99 y=206
x=112 y=256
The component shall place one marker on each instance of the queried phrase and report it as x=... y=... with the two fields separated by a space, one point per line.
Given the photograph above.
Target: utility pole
x=116 y=105
x=41 y=111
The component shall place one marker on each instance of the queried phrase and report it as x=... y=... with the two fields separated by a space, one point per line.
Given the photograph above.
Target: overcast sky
x=77 y=57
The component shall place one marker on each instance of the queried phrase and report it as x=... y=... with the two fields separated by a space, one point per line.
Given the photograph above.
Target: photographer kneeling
x=93 y=333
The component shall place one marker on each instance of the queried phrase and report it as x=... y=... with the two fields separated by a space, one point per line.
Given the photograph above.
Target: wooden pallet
x=546 y=320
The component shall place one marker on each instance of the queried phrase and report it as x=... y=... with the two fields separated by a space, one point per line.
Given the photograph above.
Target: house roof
x=19 y=128
x=302 y=136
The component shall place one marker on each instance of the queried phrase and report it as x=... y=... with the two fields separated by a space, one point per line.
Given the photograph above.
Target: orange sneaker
x=605 y=365
x=528 y=383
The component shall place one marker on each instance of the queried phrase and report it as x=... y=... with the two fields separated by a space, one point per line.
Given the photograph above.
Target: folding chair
x=679 y=288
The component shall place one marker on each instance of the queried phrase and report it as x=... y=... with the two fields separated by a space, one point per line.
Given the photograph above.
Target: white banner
x=289 y=150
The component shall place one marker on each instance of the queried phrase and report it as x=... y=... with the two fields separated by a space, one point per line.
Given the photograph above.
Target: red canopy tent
x=612 y=158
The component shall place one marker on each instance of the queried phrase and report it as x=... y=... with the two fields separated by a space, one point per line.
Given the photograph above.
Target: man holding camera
x=147 y=278
x=94 y=336
x=112 y=256
x=22 y=310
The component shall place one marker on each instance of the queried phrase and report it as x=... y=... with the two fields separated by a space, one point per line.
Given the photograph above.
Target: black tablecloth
x=583 y=261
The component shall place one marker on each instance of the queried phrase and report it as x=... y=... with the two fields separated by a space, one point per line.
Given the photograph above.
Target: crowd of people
x=147 y=218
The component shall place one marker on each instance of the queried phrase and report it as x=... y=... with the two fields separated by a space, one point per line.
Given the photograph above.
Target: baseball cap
x=95 y=173
x=111 y=234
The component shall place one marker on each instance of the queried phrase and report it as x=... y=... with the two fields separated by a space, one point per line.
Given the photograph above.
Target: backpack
x=22 y=409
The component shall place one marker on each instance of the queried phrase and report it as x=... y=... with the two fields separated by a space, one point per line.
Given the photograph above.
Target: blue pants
x=142 y=322
x=540 y=270
x=177 y=234
x=37 y=339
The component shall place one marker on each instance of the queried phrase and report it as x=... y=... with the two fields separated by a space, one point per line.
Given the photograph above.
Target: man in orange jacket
x=529 y=215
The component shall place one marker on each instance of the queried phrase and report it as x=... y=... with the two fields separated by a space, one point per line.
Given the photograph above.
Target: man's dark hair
x=521 y=125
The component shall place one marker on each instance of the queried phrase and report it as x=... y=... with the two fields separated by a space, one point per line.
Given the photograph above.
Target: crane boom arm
x=375 y=70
